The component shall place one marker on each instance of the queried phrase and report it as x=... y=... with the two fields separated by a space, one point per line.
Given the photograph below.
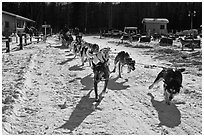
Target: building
x=155 y=25
x=12 y=23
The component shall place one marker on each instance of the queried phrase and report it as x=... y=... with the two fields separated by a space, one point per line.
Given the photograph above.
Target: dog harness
x=99 y=58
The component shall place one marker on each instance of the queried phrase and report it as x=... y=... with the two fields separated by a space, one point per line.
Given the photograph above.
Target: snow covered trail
x=59 y=97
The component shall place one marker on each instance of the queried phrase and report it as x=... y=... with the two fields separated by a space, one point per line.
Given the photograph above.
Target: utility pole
x=191 y=14
x=86 y=16
x=110 y=16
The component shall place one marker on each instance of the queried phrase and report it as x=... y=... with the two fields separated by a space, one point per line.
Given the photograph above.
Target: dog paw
x=103 y=93
x=167 y=102
x=97 y=100
x=151 y=86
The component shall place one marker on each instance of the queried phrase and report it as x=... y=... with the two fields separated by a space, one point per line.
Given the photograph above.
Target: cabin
x=131 y=30
x=12 y=23
x=155 y=25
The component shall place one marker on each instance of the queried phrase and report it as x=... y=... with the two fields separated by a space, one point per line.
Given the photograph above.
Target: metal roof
x=17 y=16
x=155 y=20
x=130 y=27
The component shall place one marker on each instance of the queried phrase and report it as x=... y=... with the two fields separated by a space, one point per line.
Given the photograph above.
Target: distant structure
x=12 y=23
x=155 y=25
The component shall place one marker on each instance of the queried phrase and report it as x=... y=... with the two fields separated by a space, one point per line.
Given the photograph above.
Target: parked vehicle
x=106 y=33
x=130 y=33
x=116 y=33
x=131 y=30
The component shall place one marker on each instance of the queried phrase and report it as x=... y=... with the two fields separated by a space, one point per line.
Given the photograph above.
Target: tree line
x=94 y=16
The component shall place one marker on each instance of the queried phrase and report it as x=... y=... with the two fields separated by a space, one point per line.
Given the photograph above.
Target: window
x=6 y=24
x=20 y=24
x=161 y=26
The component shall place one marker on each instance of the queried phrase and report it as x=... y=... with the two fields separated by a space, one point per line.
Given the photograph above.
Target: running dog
x=100 y=68
x=69 y=40
x=66 y=38
x=76 y=46
x=101 y=73
x=87 y=52
x=123 y=58
x=172 y=82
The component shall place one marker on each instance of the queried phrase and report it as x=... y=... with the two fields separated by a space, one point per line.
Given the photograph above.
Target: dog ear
x=181 y=69
x=108 y=48
x=129 y=60
x=94 y=65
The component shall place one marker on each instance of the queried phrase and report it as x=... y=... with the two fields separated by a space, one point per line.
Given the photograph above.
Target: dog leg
x=74 y=51
x=166 y=97
x=119 y=69
x=82 y=60
x=74 y=55
x=115 y=63
x=158 y=79
x=155 y=83
x=90 y=62
x=104 y=88
x=70 y=47
x=114 y=68
x=96 y=91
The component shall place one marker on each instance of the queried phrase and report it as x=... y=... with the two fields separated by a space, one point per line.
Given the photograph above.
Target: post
x=30 y=39
x=38 y=39
x=191 y=14
x=45 y=26
x=192 y=45
x=25 y=39
x=45 y=35
x=191 y=22
x=182 y=47
x=7 y=44
x=16 y=38
x=21 y=42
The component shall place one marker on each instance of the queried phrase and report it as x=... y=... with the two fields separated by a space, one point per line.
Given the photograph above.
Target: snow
x=46 y=91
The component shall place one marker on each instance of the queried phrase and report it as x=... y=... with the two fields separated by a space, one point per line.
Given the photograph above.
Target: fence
x=21 y=40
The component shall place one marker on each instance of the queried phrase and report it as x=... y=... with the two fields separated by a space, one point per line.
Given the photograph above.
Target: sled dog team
x=99 y=61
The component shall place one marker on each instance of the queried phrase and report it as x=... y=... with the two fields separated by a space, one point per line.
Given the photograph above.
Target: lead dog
x=101 y=73
x=123 y=58
x=172 y=82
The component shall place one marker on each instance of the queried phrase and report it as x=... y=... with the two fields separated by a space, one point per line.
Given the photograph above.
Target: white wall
x=12 y=24
x=155 y=28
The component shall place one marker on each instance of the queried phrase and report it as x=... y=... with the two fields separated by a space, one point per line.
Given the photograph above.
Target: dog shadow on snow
x=83 y=109
x=76 y=68
x=113 y=85
x=87 y=81
x=85 y=106
x=169 y=115
x=64 y=62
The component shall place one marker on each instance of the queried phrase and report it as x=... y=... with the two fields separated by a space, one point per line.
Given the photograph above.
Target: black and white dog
x=101 y=73
x=172 y=82
x=100 y=66
x=76 y=46
x=123 y=58
x=87 y=52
